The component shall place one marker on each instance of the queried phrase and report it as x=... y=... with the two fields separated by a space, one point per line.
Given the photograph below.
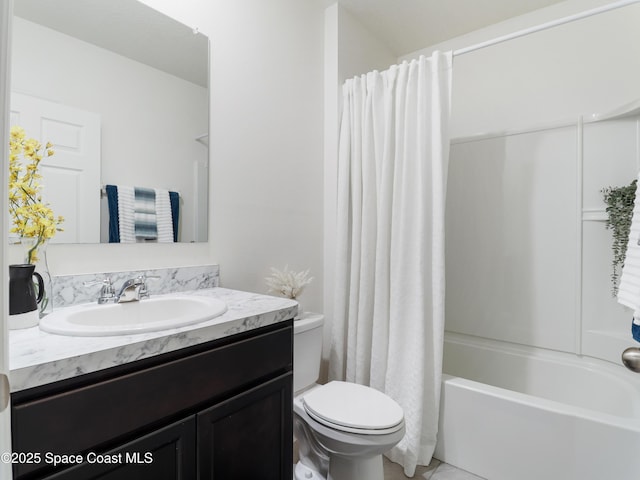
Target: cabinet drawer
x=87 y=417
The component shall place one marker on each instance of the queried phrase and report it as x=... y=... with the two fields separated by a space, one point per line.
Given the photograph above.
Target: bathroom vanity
x=210 y=401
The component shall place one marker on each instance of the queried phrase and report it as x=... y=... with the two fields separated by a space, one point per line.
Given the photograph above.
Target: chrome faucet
x=130 y=290
x=134 y=289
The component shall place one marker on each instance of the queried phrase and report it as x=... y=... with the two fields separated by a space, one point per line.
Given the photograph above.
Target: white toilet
x=342 y=429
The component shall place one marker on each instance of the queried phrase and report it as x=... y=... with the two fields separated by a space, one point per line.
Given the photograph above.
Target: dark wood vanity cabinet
x=221 y=410
x=167 y=453
x=259 y=414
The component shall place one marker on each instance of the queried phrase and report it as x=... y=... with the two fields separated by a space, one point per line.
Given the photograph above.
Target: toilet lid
x=353 y=407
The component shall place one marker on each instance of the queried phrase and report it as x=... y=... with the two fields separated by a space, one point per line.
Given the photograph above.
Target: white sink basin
x=148 y=315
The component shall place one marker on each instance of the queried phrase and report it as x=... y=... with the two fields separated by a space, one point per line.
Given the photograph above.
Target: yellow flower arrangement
x=32 y=218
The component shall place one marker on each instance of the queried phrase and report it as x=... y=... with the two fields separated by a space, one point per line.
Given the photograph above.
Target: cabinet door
x=165 y=454
x=249 y=436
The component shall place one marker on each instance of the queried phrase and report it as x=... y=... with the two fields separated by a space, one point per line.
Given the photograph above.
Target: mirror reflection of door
x=71 y=177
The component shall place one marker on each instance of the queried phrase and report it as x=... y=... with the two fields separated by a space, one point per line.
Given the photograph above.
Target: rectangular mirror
x=121 y=91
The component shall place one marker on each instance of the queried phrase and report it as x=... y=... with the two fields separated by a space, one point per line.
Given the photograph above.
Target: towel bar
x=103 y=191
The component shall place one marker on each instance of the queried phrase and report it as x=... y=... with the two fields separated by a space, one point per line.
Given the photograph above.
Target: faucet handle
x=107 y=292
x=142 y=280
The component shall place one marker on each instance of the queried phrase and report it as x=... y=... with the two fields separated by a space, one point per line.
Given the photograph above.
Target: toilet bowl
x=341 y=420
x=342 y=428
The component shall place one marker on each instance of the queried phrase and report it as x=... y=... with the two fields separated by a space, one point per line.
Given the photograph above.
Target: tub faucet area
x=631 y=359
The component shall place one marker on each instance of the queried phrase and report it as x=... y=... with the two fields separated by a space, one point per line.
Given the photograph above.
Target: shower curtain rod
x=545 y=26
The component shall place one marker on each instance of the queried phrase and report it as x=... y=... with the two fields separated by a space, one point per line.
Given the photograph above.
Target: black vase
x=23 y=297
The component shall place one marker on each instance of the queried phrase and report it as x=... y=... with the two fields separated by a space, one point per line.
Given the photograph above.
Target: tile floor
x=435 y=471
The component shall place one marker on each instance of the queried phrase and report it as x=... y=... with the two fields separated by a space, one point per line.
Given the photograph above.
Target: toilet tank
x=307 y=350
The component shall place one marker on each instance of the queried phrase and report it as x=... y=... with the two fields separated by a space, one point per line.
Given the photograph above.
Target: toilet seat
x=353 y=408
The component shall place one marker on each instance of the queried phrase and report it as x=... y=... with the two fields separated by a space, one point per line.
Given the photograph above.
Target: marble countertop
x=37 y=358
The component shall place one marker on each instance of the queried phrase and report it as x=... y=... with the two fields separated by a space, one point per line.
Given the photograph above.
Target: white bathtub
x=517 y=413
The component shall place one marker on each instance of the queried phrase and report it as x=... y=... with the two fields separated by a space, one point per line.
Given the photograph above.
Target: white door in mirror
x=72 y=175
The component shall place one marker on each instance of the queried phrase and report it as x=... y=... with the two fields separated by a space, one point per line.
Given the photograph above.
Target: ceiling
x=137 y=31
x=409 y=25
x=129 y=28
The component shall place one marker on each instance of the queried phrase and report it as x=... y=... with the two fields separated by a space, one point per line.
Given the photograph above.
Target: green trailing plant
x=619 y=210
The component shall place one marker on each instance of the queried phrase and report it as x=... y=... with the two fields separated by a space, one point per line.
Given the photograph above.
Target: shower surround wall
x=511 y=254
x=531 y=262
x=528 y=257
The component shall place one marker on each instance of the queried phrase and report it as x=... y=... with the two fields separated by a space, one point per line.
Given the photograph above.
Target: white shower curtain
x=389 y=285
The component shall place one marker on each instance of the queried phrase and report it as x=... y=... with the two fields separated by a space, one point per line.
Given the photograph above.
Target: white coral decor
x=287 y=282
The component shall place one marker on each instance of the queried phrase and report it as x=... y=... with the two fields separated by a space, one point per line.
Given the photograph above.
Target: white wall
x=150 y=119
x=359 y=50
x=266 y=136
x=528 y=256
x=582 y=67
x=511 y=238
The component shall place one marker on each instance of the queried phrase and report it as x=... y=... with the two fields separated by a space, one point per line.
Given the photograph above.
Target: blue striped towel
x=144 y=213
x=122 y=205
